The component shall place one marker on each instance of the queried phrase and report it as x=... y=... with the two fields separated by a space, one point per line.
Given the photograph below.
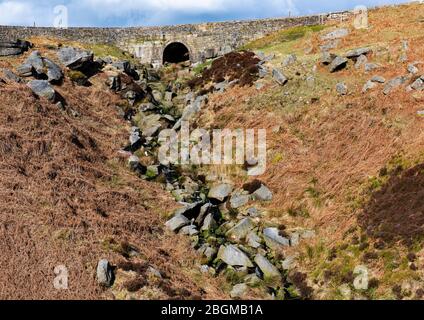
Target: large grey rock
x=336 y=34
x=220 y=191
x=355 y=53
x=371 y=67
x=240 y=230
x=262 y=194
x=272 y=275
x=289 y=60
x=54 y=72
x=327 y=58
x=393 y=84
x=190 y=230
x=279 y=77
x=42 y=88
x=238 y=200
x=177 y=222
x=74 y=58
x=337 y=64
x=105 y=275
x=9 y=75
x=207 y=251
x=239 y=291
x=378 y=79
x=362 y=60
x=368 y=86
x=418 y=84
x=13 y=48
x=24 y=70
x=204 y=211
x=253 y=240
x=209 y=224
x=36 y=61
x=263 y=71
x=233 y=256
x=341 y=89
x=273 y=239
x=412 y=69
x=43 y=66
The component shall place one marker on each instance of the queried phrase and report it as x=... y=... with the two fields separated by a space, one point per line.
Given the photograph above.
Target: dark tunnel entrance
x=175 y=52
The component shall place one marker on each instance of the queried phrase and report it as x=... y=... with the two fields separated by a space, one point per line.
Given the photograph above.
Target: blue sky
x=163 y=12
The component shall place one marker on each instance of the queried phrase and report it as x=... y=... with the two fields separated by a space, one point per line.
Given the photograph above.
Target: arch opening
x=176 y=52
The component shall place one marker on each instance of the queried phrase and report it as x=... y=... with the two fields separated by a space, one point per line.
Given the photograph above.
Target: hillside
x=342 y=193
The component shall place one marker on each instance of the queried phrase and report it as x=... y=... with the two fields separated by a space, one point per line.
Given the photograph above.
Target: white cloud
x=150 y=12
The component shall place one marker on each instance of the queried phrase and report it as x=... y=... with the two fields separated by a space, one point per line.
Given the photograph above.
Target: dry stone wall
x=148 y=43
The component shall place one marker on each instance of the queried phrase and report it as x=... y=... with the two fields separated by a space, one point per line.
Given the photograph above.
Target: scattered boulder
x=279 y=77
x=220 y=191
x=273 y=239
x=42 y=88
x=362 y=60
x=341 y=89
x=253 y=212
x=239 y=200
x=289 y=60
x=263 y=71
x=263 y=194
x=368 y=86
x=418 y=84
x=207 y=251
x=54 y=72
x=74 y=58
x=412 y=69
x=233 y=256
x=9 y=75
x=253 y=240
x=355 y=53
x=105 y=276
x=42 y=67
x=190 y=230
x=24 y=70
x=337 y=64
x=204 y=210
x=36 y=61
x=271 y=274
x=240 y=230
x=13 y=48
x=336 y=34
x=209 y=223
x=177 y=222
x=393 y=83
x=327 y=58
x=378 y=79
x=371 y=67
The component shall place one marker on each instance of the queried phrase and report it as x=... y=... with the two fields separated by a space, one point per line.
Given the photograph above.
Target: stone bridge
x=156 y=45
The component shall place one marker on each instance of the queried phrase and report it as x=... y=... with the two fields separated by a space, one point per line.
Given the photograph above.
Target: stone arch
x=175 y=52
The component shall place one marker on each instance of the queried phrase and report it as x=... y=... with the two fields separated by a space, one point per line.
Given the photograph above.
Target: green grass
x=105 y=50
x=284 y=36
